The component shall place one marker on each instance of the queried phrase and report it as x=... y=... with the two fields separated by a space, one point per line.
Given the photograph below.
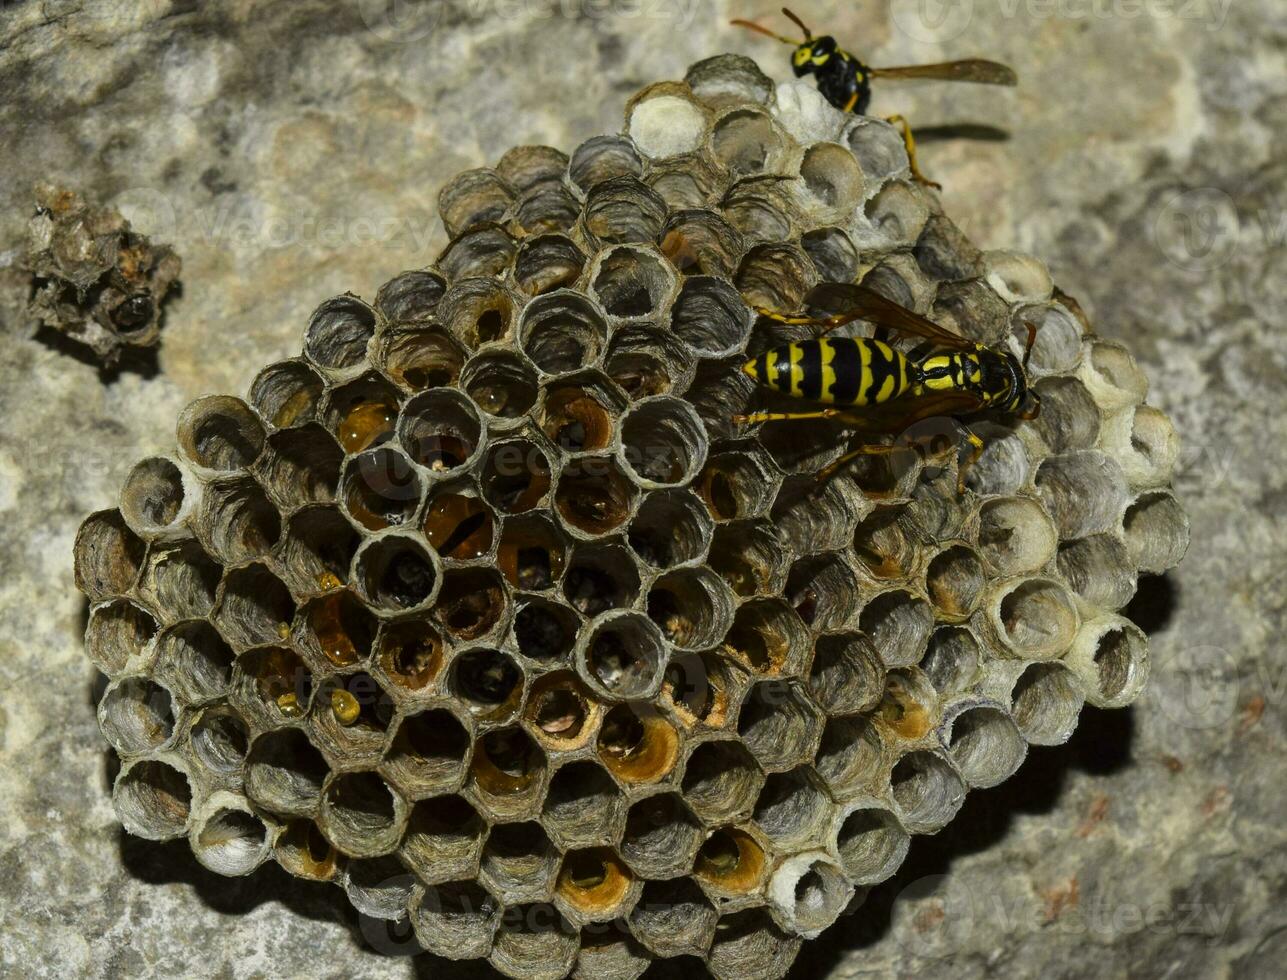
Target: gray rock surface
x=293 y=151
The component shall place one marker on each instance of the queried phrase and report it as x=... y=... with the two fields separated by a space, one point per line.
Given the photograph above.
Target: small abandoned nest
x=94 y=278
x=484 y=610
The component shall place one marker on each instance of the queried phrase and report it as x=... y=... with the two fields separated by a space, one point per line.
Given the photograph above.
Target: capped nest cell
x=485 y=609
x=93 y=277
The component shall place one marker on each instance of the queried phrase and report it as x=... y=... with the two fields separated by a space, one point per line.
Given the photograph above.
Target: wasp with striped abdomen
x=845 y=82
x=869 y=385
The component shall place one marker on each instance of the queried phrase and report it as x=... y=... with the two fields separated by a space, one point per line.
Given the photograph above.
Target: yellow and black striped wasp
x=870 y=386
x=845 y=82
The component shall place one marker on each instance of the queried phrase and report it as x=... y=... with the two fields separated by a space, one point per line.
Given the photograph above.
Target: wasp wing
x=976 y=70
x=864 y=303
x=894 y=417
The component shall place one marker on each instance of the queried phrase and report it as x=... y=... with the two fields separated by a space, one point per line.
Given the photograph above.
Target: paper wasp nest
x=485 y=611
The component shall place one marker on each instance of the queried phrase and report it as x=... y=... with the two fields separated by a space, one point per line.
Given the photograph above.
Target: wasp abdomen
x=835 y=371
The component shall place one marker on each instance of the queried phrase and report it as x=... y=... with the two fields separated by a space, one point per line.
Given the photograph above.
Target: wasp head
x=812 y=54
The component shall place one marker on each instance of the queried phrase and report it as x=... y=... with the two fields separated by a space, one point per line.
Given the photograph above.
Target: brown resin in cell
x=698 y=688
x=530 y=555
x=593 y=496
x=471 y=602
x=637 y=748
x=303 y=850
x=506 y=762
x=559 y=706
x=516 y=477
x=459 y=527
x=593 y=880
x=381 y=489
x=280 y=679
x=882 y=545
x=410 y=654
x=365 y=423
x=342 y=627
x=901 y=712
x=576 y=421
x=730 y=860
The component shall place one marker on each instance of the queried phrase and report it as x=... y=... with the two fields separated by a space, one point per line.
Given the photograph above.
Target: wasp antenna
x=808 y=34
x=752 y=26
x=1032 y=339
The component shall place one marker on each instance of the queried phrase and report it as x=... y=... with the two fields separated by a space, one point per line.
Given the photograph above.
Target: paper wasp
x=845 y=82
x=874 y=388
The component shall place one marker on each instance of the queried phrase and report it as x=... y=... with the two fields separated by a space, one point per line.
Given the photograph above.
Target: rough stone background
x=292 y=151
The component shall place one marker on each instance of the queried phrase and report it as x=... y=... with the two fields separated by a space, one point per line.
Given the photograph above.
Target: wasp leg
x=826 y=322
x=754 y=417
x=910 y=142
x=976 y=450
x=827 y=472
x=853 y=101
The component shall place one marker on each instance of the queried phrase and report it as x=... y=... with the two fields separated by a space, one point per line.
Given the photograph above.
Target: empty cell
x=534 y=941
x=501 y=383
x=546 y=262
x=428 y=753
x=1157 y=532
x=338 y=333
x=230 y=840
x=409 y=654
x=673 y=918
x=108 y=555
x=286 y=394
x=545 y=630
x=220 y=739
x=519 y=862
x=631 y=282
x=622 y=656
x=928 y=791
x=582 y=806
x=824 y=591
x=562 y=331
x=594 y=496
x=301 y=466
x=255 y=607
x=472 y=197
x=220 y=433
x=699 y=243
x=153 y=799
x=478 y=252
x=851 y=756
x=663 y=441
x=661 y=837
x=872 y=844
x=1015 y=535
x=846 y=675
x=1045 y=703
x=779 y=725
x=623 y=210
x=952 y=661
x=409 y=296
x=397 y=572
x=515 y=476
x=444 y=839
x=955 y=582
x=272 y=685
x=181 y=579
x=116 y=633
x=237 y=520
x=380 y=887
x=898 y=624
x=361 y=814
x=986 y=746
x=792 y=809
x=767 y=637
x=136 y=715
x=748 y=555
x=670 y=528
x=489 y=683
x=284 y=773
x=155 y=498
x=1035 y=618
x=808 y=892
x=441 y=430
x=601 y=158
x=456 y=919
x=721 y=780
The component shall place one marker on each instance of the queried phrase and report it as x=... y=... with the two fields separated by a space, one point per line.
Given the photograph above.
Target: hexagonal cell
x=928 y=791
x=428 y=753
x=284 y=773
x=220 y=739
x=808 y=892
x=478 y=310
x=1084 y=493
x=180 y=580
x=507 y=771
x=562 y=331
x=153 y=799
x=815 y=519
x=699 y=244
x=851 y=757
x=749 y=944
x=456 y=919
x=583 y=806
x=730 y=862
x=441 y=430
x=272 y=686
x=621 y=655
x=117 y=632
x=720 y=391
x=601 y=158
x=409 y=654
x=362 y=413
x=1157 y=531
x=194 y=661
x=420 y=357
x=409 y=296
x=833 y=253
x=701 y=689
x=545 y=207
x=779 y=724
x=986 y=745
x=318 y=550
x=380 y=887
x=824 y=591
x=693 y=607
x=671 y=528
x=637 y=744
x=774 y=275
x=664 y=121
x=1045 y=703
x=472 y=197
x=501 y=383
x=286 y=393
x=955 y=581
x=531 y=553
x=350 y=719
x=661 y=837
x=846 y=675
x=578 y=414
x=871 y=844
x=768 y=638
x=663 y=442
x=760 y=208
x=471 y=603
x=1069 y=418
x=747 y=141
x=136 y=715
x=444 y=839
x=397 y=572
x=301 y=466
x=228 y=838
x=480 y=252
x=645 y=361
x=339 y=627
x=608 y=951
x=673 y=918
x=519 y=862
x=361 y=814
x=534 y=941
x=792 y=808
x=156 y=498
x=898 y=624
x=1035 y=618
x=1110 y=655
x=952 y=661
x=1099 y=569
x=721 y=781
x=108 y=555
x=255 y=607
x=545 y=630
x=600 y=578
x=380 y=488
x=908 y=705
x=220 y=434
x=1015 y=535
x=515 y=476
x=729 y=79
x=631 y=282
x=594 y=496
x=547 y=262
x=489 y=683
x=338 y=333
x=594 y=885
x=622 y=210
x=749 y=556
x=303 y=850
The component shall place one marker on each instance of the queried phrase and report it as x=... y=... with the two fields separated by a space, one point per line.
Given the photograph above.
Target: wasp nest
x=93 y=277
x=484 y=610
